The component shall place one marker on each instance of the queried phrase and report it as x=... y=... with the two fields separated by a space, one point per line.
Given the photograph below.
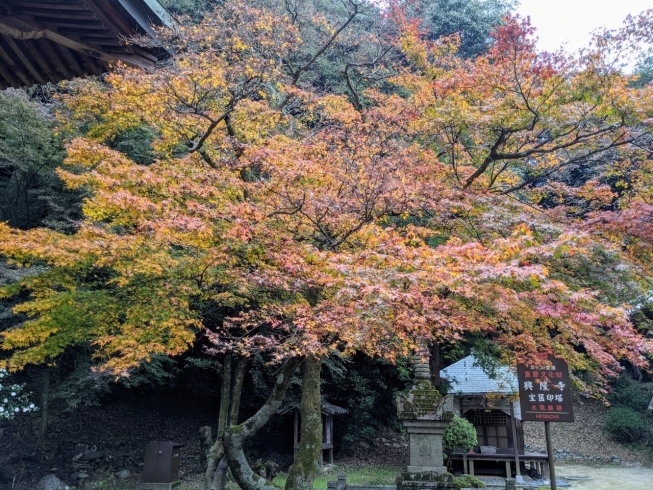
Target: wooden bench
x=538 y=461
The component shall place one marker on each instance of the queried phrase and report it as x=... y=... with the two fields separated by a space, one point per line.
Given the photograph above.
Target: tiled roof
x=468 y=378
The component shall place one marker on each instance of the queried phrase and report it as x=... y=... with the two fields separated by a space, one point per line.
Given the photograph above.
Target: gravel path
x=608 y=478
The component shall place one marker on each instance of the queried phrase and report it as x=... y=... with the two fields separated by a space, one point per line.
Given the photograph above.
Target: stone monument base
x=159 y=486
x=425 y=481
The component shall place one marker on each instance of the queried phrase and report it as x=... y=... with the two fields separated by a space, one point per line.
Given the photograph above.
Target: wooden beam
x=55 y=57
x=161 y=12
x=46 y=5
x=8 y=73
x=40 y=60
x=22 y=29
x=88 y=24
x=23 y=59
x=108 y=13
x=147 y=14
x=95 y=37
x=144 y=54
x=4 y=55
x=101 y=41
x=6 y=82
x=70 y=59
x=41 y=15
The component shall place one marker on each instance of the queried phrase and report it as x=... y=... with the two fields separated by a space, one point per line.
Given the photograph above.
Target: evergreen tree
x=473 y=20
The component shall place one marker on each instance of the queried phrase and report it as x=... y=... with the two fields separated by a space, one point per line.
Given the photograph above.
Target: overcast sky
x=571 y=21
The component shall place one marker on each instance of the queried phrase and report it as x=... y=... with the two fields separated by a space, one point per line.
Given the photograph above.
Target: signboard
x=544 y=390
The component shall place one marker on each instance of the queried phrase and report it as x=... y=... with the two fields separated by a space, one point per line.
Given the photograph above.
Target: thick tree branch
x=578 y=159
x=197 y=146
x=326 y=45
x=540 y=149
x=488 y=160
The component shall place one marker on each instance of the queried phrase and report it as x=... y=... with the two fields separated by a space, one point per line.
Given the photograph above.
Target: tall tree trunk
x=236 y=435
x=220 y=478
x=303 y=471
x=45 y=398
x=225 y=396
x=216 y=453
x=237 y=389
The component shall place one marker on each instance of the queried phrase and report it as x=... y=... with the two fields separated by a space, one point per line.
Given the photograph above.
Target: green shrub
x=467 y=481
x=136 y=144
x=460 y=434
x=31 y=193
x=624 y=424
x=631 y=394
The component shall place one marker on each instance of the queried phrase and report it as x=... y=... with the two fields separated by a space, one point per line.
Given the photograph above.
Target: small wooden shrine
x=329 y=411
x=491 y=404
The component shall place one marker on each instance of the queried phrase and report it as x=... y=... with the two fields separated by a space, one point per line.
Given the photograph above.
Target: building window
x=492 y=427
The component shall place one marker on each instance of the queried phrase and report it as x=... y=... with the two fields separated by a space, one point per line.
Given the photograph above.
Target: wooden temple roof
x=52 y=40
x=331 y=409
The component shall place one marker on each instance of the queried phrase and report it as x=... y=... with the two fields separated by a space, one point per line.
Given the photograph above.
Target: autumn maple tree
x=318 y=224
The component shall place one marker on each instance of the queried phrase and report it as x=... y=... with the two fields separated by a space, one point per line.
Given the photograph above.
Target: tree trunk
x=236 y=435
x=225 y=396
x=435 y=364
x=220 y=478
x=45 y=398
x=206 y=441
x=237 y=389
x=216 y=453
x=303 y=471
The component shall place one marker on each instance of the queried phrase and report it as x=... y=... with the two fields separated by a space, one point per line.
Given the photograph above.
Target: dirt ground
x=608 y=477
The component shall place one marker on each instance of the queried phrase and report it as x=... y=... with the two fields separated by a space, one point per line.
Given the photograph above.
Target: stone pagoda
x=425 y=414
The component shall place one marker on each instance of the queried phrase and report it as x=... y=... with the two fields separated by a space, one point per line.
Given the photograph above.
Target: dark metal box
x=161 y=462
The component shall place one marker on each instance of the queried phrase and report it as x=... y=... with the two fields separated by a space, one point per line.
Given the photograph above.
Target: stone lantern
x=425 y=414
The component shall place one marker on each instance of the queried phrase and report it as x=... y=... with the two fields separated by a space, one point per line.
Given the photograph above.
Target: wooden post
x=296 y=436
x=518 y=477
x=331 y=439
x=45 y=398
x=549 y=450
